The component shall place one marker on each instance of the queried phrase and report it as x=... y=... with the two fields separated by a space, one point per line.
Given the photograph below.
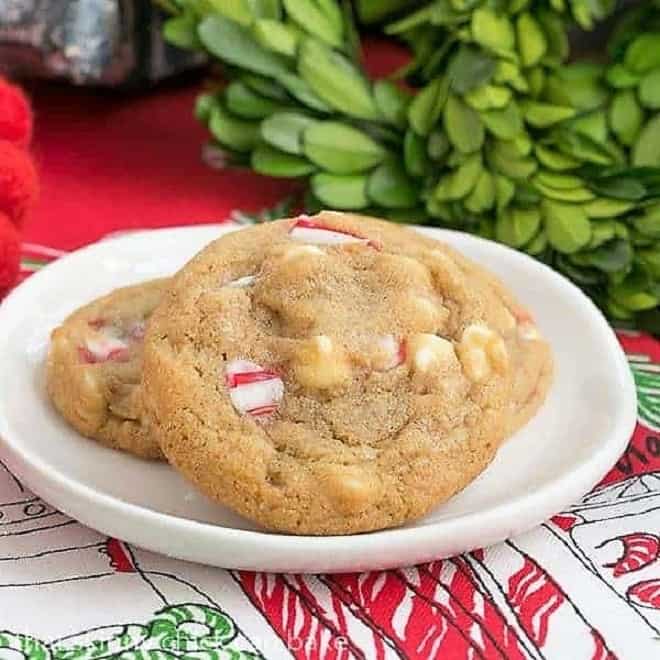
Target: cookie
x=330 y=375
x=94 y=368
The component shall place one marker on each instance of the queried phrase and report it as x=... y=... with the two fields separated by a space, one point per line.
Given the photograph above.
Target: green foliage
x=494 y=131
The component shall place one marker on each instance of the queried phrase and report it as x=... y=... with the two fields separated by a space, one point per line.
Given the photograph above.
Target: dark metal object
x=89 y=42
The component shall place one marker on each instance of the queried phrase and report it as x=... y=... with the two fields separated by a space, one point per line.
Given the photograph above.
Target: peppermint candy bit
x=106 y=346
x=116 y=355
x=252 y=389
x=392 y=352
x=307 y=230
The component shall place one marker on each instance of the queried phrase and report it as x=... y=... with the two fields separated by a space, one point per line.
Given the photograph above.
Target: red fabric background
x=109 y=162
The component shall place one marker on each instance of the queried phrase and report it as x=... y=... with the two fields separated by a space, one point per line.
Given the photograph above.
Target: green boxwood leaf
x=532 y=43
x=618 y=188
x=482 y=197
x=601 y=232
x=649 y=90
x=181 y=31
x=236 y=10
x=340 y=148
x=272 y=162
x=505 y=124
x=390 y=186
x=649 y=222
x=558 y=181
x=493 y=31
x=427 y=105
x=414 y=154
x=264 y=86
x=621 y=78
x=555 y=33
x=438 y=145
x=284 y=130
x=504 y=159
x=392 y=102
x=582 y=147
x=235 y=133
x=577 y=86
x=489 y=97
x=234 y=44
x=536 y=78
x=459 y=183
x=634 y=292
x=243 y=102
x=505 y=190
x=611 y=257
x=607 y=208
x=555 y=160
x=276 y=36
x=538 y=244
x=592 y=124
x=542 y=115
x=509 y=73
x=347 y=192
x=204 y=103
x=515 y=226
x=626 y=116
x=470 y=68
x=317 y=20
x=336 y=80
x=567 y=226
x=300 y=90
x=464 y=128
x=643 y=53
x=576 y=195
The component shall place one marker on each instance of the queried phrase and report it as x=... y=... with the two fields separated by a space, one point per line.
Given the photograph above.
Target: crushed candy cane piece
x=107 y=344
x=97 y=352
x=390 y=353
x=307 y=230
x=522 y=315
x=242 y=282
x=253 y=389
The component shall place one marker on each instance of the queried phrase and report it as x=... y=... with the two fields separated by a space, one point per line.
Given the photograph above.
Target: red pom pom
x=10 y=254
x=15 y=115
x=18 y=182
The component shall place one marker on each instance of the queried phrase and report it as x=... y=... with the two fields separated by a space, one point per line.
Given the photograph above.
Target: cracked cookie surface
x=94 y=368
x=330 y=375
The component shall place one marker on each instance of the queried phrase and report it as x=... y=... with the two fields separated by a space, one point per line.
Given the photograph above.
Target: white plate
x=578 y=435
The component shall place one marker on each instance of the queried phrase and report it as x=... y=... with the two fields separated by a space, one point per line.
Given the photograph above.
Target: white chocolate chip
x=481 y=350
x=242 y=282
x=321 y=364
x=528 y=331
x=302 y=251
x=509 y=321
x=429 y=352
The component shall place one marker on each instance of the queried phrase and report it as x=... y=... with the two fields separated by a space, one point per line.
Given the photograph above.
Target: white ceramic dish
x=577 y=436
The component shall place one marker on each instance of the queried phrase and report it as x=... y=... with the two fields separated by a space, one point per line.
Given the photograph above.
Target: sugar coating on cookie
x=363 y=375
x=94 y=368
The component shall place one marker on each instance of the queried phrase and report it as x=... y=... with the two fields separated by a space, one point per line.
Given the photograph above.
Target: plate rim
x=575 y=481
